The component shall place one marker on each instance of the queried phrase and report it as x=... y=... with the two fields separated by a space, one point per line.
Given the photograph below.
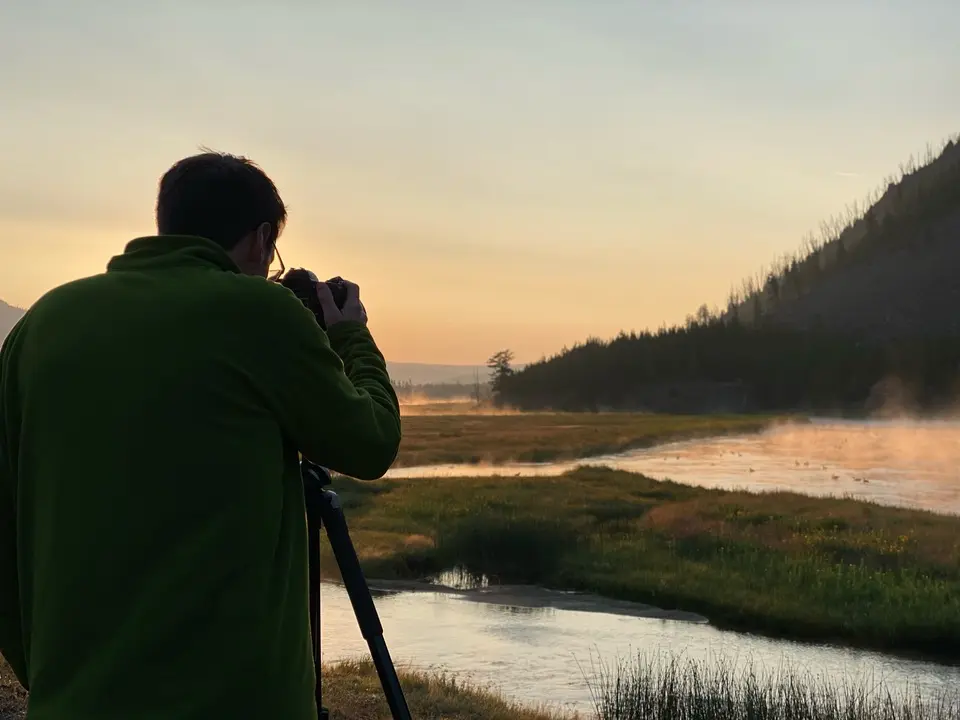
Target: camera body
x=303 y=283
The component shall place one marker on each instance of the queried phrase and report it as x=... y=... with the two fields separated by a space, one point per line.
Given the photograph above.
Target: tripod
x=324 y=510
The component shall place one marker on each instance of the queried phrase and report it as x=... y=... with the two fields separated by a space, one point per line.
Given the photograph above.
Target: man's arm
x=11 y=628
x=331 y=392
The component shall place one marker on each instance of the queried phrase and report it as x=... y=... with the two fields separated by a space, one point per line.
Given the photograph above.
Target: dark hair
x=218 y=196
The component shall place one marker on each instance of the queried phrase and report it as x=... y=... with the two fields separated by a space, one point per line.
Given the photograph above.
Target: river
x=519 y=644
x=537 y=646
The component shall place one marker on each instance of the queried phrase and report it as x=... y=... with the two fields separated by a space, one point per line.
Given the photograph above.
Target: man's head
x=227 y=199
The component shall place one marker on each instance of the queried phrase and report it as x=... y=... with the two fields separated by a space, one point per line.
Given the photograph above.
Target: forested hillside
x=866 y=315
x=886 y=271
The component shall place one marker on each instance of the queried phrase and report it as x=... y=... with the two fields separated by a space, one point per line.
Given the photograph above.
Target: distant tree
x=841 y=257
x=477 y=394
x=773 y=285
x=501 y=367
x=704 y=317
x=873 y=227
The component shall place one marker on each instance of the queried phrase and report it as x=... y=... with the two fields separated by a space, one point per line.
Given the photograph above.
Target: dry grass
x=352 y=692
x=13 y=698
x=437 y=439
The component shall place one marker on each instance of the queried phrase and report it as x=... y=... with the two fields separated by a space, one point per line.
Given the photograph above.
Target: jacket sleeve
x=331 y=393
x=11 y=628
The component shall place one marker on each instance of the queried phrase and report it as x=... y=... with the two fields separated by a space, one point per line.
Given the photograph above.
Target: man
x=153 y=553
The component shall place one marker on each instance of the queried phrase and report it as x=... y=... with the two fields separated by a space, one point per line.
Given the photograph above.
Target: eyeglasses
x=275 y=276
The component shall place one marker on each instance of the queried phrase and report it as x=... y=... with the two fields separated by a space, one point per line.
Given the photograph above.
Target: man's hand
x=353 y=309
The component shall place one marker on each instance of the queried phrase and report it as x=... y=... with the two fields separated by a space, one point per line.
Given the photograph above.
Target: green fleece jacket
x=153 y=550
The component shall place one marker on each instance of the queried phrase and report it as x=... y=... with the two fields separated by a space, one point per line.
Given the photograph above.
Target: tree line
x=730 y=367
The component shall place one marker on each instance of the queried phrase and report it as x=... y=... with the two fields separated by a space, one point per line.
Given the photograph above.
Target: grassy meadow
x=780 y=564
x=434 y=435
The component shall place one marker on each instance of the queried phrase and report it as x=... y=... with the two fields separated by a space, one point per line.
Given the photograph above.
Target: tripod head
x=315 y=478
x=314 y=474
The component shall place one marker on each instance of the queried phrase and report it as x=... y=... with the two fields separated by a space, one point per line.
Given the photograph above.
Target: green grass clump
x=656 y=688
x=547 y=437
x=781 y=564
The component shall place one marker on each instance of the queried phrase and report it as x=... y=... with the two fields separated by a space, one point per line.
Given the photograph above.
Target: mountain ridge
x=9 y=316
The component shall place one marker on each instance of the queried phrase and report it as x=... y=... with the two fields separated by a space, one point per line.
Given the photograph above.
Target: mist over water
x=904 y=462
x=419 y=404
x=413 y=404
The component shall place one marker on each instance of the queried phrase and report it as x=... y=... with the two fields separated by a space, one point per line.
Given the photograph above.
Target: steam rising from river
x=913 y=463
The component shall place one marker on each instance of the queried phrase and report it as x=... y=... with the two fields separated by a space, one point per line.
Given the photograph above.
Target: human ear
x=264 y=244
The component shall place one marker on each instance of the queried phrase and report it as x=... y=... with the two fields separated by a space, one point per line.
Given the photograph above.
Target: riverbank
x=646 y=686
x=352 y=692
x=434 y=439
x=780 y=564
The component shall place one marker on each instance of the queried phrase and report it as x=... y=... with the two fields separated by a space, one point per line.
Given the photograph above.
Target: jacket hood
x=158 y=252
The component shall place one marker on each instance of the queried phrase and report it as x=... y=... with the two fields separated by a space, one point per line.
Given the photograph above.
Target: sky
x=493 y=174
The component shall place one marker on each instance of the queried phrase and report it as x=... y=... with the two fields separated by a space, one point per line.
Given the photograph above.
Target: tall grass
x=670 y=688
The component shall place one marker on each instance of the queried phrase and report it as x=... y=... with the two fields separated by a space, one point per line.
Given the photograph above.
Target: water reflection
x=911 y=464
x=539 y=654
x=459 y=578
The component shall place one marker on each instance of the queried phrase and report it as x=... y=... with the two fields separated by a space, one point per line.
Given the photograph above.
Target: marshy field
x=831 y=580
x=447 y=433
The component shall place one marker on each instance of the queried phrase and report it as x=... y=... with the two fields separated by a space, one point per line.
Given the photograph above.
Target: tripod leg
x=355 y=583
x=313 y=538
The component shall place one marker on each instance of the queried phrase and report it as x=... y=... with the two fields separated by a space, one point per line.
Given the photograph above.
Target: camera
x=303 y=283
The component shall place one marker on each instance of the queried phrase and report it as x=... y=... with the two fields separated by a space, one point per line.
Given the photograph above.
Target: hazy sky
x=494 y=174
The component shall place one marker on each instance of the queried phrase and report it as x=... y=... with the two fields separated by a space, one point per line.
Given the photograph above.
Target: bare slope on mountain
x=9 y=315
x=906 y=291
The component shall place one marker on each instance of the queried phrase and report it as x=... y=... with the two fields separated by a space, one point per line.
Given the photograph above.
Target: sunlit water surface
x=545 y=655
x=909 y=463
